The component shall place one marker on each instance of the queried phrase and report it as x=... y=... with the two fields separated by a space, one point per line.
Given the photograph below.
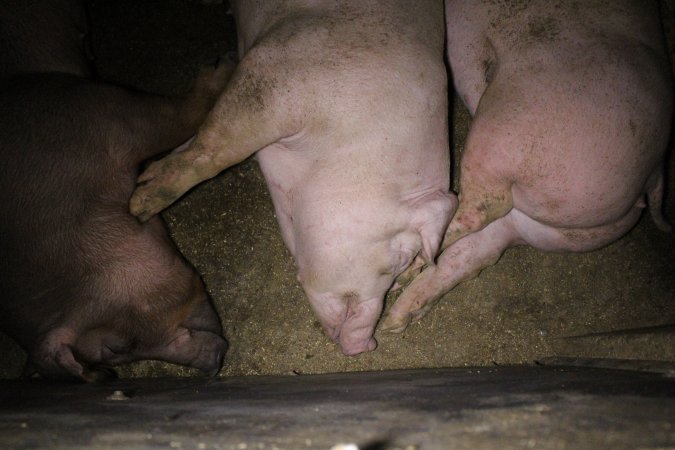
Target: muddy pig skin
x=345 y=104
x=571 y=105
x=83 y=284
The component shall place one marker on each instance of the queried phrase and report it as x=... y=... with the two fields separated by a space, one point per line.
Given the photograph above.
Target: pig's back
x=362 y=81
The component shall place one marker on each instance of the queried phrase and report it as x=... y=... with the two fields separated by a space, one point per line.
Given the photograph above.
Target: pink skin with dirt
x=84 y=285
x=345 y=104
x=571 y=106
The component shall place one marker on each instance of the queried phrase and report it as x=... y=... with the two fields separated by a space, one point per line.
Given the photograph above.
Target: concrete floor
x=516 y=312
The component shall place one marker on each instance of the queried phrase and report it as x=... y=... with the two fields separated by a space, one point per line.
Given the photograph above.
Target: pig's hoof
x=142 y=205
x=396 y=324
x=152 y=195
x=148 y=201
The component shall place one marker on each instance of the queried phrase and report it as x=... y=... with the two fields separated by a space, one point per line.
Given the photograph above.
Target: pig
x=84 y=285
x=345 y=106
x=571 y=105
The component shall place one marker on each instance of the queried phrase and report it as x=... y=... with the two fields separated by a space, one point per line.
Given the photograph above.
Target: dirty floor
x=528 y=306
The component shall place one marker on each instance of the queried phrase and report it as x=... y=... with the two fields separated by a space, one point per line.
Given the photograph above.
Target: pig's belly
x=548 y=237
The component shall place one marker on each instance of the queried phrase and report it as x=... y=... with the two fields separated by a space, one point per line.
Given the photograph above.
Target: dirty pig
x=345 y=104
x=572 y=105
x=84 y=285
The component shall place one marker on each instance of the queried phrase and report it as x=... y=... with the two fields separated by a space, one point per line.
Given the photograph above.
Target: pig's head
x=143 y=301
x=350 y=249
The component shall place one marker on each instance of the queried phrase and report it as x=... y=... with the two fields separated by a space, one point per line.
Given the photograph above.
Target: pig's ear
x=65 y=360
x=405 y=247
x=432 y=214
x=57 y=359
x=54 y=357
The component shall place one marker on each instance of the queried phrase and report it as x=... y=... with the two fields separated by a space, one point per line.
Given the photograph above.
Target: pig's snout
x=203 y=341
x=350 y=348
x=202 y=350
x=348 y=320
x=210 y=357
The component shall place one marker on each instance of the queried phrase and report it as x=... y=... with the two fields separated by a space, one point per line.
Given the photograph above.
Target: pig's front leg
x=462 y=261
x=465 y=259
x=226 y=138
x=482 y=201
x=150 y=123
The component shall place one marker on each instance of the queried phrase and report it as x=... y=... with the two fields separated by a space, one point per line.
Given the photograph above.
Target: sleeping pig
x=571 y=104
x=84 y=285
x=345 y=104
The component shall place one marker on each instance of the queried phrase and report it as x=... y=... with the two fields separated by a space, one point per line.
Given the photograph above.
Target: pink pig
x=345 y=104
x=571 y=104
